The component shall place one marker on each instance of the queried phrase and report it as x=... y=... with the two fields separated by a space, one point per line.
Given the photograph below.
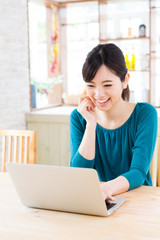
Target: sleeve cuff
x=135 y=178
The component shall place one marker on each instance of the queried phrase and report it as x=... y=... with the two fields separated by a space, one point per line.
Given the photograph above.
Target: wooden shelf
x=121 y=39
x=78 y=23
x=155 y=57
x=139 y=70
x=155 y=8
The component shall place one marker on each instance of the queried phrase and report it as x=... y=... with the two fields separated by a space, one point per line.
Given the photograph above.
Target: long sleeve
x=77 y=128
x=142 y=151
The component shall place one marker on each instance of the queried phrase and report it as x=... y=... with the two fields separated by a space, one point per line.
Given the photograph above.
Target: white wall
x=14 y=71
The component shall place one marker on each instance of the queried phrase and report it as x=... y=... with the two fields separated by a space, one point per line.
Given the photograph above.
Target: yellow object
x=56 y=48
x=127 y=61
x=133 y=62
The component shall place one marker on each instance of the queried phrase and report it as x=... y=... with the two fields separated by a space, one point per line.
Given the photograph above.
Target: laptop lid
x=60 y=188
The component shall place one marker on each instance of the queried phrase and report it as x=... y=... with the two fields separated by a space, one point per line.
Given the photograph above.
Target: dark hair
x=111 y=56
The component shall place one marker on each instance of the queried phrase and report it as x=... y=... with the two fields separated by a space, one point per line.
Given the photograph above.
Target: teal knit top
x=125 y=151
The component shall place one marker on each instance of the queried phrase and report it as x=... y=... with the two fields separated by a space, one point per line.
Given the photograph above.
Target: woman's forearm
x=114 y=187
x=118 y=185
x=87 y=146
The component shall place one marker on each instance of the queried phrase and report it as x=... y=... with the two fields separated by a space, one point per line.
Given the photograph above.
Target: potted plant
x=52 y=87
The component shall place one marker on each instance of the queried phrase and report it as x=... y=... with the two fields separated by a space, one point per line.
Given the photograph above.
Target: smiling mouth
x=102 y=102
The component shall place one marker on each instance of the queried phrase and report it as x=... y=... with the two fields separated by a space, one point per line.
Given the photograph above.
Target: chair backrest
x=158 y=161
x=18 y=146
x=155 y=164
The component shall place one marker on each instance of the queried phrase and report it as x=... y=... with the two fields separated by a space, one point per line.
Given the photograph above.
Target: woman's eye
x=108 y=85
x=90 y=86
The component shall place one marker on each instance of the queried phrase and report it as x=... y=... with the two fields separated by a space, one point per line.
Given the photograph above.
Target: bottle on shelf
x=130 y=59
x=130 y=29
x=142 y=30
x=144 y=62
x=133 y=61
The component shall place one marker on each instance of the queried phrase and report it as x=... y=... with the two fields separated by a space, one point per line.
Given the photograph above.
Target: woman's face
x=105 y=89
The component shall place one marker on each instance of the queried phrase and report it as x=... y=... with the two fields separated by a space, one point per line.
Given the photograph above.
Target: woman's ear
x=125 y=83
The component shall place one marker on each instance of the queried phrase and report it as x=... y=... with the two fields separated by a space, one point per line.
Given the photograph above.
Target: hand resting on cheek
x=87 y=109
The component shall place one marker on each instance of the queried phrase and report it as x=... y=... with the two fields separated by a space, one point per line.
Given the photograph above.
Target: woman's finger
x=110 y=198
x=87 y=104
x=81 y=99
x=87 y=99
x=106 y=193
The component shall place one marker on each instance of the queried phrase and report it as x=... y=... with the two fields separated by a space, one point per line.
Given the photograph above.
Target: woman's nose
x=99 y=93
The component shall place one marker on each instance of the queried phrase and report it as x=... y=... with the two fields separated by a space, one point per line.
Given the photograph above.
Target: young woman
x=107 y=133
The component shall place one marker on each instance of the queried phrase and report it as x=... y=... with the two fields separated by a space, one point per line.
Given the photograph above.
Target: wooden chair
x=18 y=146
x=158 y=161
x=155 y=164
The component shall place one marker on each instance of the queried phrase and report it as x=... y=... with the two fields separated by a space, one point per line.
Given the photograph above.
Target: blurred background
x=43 y=45
x=61 y=35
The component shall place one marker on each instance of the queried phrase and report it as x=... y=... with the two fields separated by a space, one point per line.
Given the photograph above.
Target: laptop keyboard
x=109 y=205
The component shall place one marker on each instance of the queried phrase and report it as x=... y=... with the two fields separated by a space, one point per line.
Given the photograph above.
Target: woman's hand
x=87 y=109
x=114 y=187
x=106 y=192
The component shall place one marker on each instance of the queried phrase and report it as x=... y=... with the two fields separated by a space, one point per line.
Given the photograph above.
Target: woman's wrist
x=114 y=187
x=87 y=146
x=91 y=125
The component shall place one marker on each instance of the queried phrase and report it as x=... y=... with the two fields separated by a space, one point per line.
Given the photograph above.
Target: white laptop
x=58 y=188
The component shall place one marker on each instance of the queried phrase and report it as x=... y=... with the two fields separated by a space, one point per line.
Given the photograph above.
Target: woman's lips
x=102 y=102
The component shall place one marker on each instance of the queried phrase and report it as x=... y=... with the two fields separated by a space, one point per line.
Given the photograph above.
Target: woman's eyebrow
x=107 y=81
x=102 y=81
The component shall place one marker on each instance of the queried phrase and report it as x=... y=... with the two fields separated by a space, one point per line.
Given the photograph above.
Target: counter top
x=61 y=110
x=57 y=113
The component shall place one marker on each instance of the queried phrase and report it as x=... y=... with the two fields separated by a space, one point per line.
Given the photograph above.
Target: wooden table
x=138 y=218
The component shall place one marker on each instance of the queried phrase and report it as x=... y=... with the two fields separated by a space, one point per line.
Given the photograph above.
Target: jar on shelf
x=142 y=30
x=130 y=29
x=144 y=62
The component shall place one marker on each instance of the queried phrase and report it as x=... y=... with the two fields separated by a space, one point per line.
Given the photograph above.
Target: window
x=82 y=34
x=44 y=54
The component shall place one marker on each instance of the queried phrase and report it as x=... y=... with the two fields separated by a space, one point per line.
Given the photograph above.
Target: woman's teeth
x=102 y=101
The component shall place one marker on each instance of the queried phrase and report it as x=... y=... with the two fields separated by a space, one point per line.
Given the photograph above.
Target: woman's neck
x=116 y=116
